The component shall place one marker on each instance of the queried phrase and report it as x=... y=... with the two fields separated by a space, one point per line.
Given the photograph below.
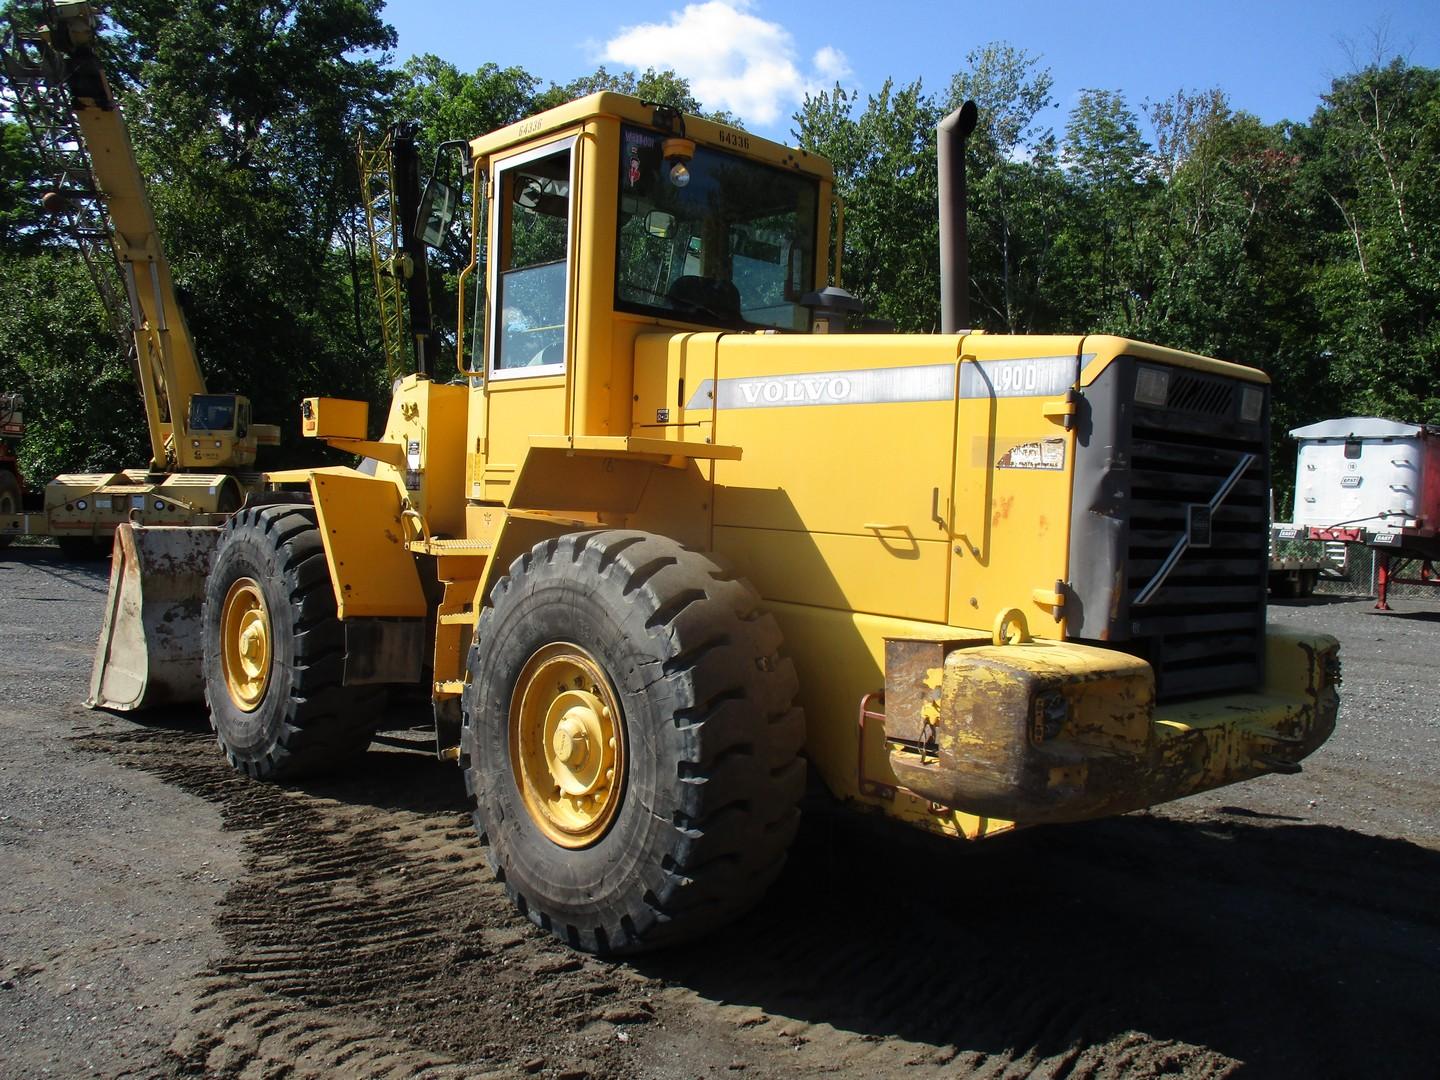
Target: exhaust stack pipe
x=405 y=170
x=950 y=138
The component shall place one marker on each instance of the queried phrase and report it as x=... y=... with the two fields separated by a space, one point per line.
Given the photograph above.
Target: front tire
x=275 y=651
x=632 y=741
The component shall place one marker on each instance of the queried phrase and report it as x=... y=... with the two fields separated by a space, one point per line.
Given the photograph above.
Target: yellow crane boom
x=57 y=83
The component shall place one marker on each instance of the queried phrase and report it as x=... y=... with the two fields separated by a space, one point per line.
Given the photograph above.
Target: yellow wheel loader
x=673 y=534
x=202 y=445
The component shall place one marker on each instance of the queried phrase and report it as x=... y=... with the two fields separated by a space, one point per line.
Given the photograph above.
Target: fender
x=378 y=594
x=361 y=526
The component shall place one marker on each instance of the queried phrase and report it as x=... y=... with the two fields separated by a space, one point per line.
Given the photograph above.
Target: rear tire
x=706 y=760
x=275 y=651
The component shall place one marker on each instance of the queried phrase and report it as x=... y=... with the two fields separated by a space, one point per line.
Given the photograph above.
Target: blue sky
x=757 y=57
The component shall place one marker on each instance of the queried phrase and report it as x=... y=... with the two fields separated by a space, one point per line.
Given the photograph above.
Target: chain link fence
x=1353 y=572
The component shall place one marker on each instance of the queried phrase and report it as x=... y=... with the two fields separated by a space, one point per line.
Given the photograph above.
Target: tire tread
x=324 y=722
x=739 y=779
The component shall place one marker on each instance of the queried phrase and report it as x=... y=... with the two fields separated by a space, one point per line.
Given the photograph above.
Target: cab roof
x=631 y=110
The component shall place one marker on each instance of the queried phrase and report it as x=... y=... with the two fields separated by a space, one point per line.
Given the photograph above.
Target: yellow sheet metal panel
x=883 y=573
x=427 y=423
x=838 y=432
x=558 y=479
x=662 y=450
x=371 y=569
x=1014 y=465
x=601 y=373
x=677 y=503
x=858 y=436
x=840 y=658
x=668 y=367
x=334 y=418
x=516 y=409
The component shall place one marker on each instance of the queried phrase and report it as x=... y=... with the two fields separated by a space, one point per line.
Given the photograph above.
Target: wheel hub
x=566 y=745
x=245 y=644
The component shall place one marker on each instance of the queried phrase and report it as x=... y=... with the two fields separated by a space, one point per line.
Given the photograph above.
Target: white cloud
x=830 y=63
x=734 y=59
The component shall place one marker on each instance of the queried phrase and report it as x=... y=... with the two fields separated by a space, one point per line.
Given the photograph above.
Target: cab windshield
x=212 y=412
x=732 y=244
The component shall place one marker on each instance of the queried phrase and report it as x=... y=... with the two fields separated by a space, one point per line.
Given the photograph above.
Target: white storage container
x=1363 y=472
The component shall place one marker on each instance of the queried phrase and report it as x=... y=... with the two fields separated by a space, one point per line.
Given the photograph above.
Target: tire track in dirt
x=368 y=936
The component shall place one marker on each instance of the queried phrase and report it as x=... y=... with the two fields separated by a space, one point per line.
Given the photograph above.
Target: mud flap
x=151 y=647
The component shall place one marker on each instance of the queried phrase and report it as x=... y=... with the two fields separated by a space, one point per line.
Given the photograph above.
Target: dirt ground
x=164 y=917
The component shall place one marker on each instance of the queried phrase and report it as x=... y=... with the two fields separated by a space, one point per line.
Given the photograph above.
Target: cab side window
x=533 y=229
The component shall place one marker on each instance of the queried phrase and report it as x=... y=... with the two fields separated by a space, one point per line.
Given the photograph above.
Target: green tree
x=21 y=225
x=81 y=403
x=1372 y=148
x=885 y=172
x=1108 y=162
x=450 y=104
x=243 y=117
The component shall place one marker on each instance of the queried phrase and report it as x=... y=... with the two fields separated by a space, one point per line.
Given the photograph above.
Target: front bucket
x=151 y=648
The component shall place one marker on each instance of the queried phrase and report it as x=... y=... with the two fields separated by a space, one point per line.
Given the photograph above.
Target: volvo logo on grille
x=1198 y=529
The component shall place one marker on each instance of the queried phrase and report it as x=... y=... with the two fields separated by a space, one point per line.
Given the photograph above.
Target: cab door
x=530 y=333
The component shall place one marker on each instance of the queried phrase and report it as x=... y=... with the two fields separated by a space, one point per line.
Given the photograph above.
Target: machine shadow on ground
x=91 y=575
x=1410 y=616
x=1299 y=950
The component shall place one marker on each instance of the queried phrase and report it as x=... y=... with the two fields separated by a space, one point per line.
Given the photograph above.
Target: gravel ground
x=164 y=917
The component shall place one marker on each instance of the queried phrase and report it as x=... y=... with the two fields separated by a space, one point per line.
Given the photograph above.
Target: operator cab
x=220 y=433
x=678 y=222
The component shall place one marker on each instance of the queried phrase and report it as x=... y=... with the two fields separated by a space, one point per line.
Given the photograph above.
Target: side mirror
x=437 y=212
x=659 y=224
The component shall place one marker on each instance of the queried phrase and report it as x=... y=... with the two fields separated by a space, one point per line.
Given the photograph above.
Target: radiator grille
x=1203 y=631
x=1194 y=393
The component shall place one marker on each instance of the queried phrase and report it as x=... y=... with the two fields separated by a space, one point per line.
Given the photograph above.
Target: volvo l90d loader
x=671 y=537
x=202 y=444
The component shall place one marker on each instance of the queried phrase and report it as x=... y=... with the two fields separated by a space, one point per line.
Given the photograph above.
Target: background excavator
x=202 y=444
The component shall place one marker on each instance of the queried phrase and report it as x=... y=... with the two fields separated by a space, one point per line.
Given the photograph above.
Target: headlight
x=1152 y=386
x=1252 y=404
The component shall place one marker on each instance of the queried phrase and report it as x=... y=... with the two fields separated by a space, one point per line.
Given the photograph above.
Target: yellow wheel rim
x=567 y=746
x=245 y=649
